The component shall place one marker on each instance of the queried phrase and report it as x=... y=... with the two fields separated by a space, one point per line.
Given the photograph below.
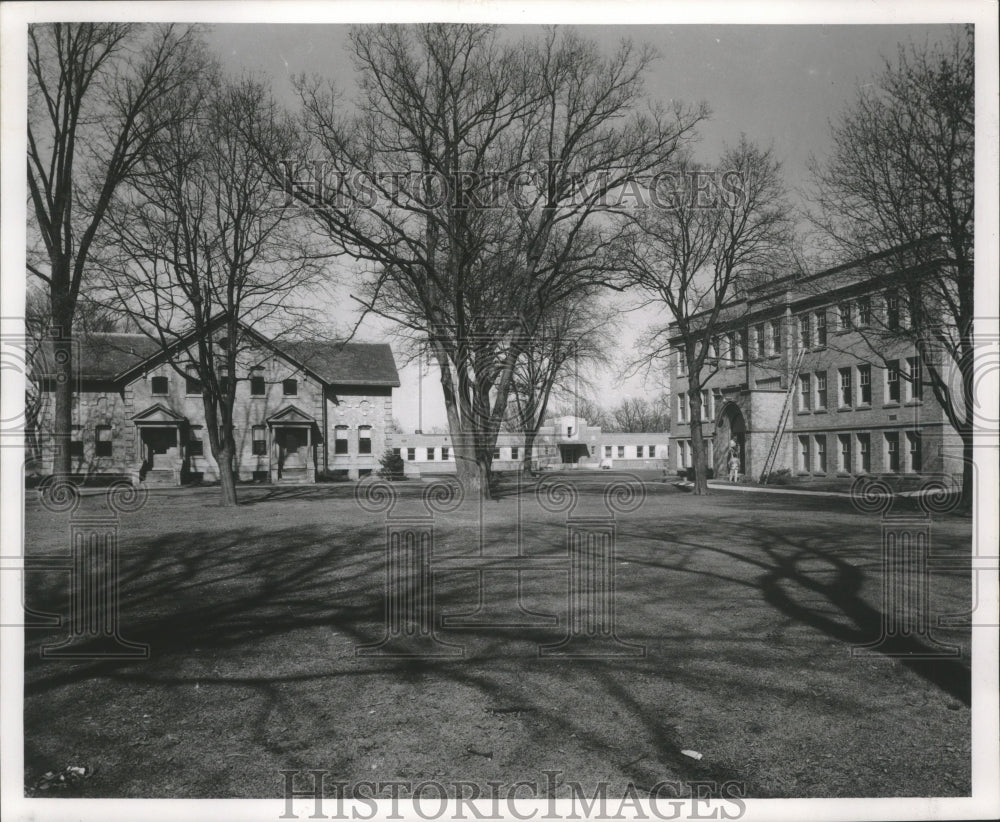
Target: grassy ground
x=747 y=605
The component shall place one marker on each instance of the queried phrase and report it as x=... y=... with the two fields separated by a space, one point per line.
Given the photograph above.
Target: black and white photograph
x=447 y=411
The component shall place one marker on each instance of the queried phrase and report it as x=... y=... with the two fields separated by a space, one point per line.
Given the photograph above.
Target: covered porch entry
x=293 y=446
x=158 y=453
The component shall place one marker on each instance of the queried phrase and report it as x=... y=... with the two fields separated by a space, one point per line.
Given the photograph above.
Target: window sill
x=891 y=404
x=865 y=406
x=910 y=403
x=819 y=411
x=843 y=408
x=803 y=411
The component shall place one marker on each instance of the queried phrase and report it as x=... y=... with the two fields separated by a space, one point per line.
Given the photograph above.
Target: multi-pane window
x=652 y=450
x=224 y=380
x=607 y=450
x=741 y=345
x=340 y=439
x=914 y=305
x=102 y=441
x=158 y=385
x=805 y=341
x=76 y=442
x=411 y=454
x=846 y=396
x=445 y=453
x=821 y=453
x=496 y=453
x=704 y=405
x=257 y=387
x=761 y=340
x=430 y=455
x=192 y=385
x=638 y=451
x=397 y=452
x=844 y=440
x=892 y=381
x=864 y=311
x=805 y=388
x=196 y=443
x=731 y=347
x=892 y=310
x=682 y=408
x=804 y=453
x=913 y=452
x=865 y=452
x=290 y=387
x=844 y=313
x=914 y=384
x=820 y=317
x=621 y=452
x=820 y=390
x=364 y=439
x=681 y=364
x=514 y=452
x=775 y=341
x=892 y=451
x=259 y=441
x=865 y=384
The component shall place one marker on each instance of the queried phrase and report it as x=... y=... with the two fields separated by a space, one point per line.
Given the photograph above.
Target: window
x=411 y=454
x=445 y=453
x=102 y=441
x=397 y=452
x=192 y=385
x=865 y=452
x=75 y=442
x=914 y=384
x=821 y=453
x=892 y=381
x=159 y=385
x=820 y=317
x=607 y=450
x=196 y=442
x=731 y=347
x=340 y=439
x=864 y=311
x=741 y=345
x=805 y=390
x=760 y=340
x=775 y=342
x=913 y=449
x=257 y=387
x=803 y=453
x=364 y=439
x=259 y=440
x=514 y=452
x=496 y=453
x=621 y=451
x=638 y=452
x=290 y=387
x=704 y=405
x=651 y=450
x=430 y=454
x=914 y=306
x=804 y=338
x=892 y=310
x=892 y=452
x=846 y=395
x=682 y=409
x=224 y=380
x=820 y=390
x=865 y=384
x=845 y=452
x=844 y=314
x=681 y=364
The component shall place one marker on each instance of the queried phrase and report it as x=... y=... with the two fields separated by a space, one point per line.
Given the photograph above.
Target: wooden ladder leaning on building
x=786 y=408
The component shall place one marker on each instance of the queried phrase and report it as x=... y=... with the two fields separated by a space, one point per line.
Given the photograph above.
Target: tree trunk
x=227 y=478
x=529 y=447
x=698 y=444
x=62 y=422
x=968 y=475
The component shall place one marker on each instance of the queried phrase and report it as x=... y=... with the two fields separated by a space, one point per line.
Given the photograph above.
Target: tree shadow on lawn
x=222 y=592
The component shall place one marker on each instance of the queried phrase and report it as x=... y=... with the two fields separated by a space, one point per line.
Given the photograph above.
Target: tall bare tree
x=94 y=92
x=898 y=186
x=469 y=175
x=637 y=415
x=204 y=253
x=714 y=230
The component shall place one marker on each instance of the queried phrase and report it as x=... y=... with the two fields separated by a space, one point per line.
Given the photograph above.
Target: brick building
x=302 y=407
x=858 y=403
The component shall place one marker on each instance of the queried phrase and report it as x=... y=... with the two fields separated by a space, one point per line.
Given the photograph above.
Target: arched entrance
x=731 y=428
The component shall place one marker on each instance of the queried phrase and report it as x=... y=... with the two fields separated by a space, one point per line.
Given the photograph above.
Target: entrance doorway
x=159 y=446
x=731 y=432
x=292 y=449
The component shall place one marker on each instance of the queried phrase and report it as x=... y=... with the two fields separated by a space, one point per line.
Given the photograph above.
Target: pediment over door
x=158 y=414
x=291 y=416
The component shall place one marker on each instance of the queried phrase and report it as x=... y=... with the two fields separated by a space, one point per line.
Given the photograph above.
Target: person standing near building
x=734 y=467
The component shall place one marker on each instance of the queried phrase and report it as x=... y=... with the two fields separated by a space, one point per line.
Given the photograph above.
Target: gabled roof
x=113 y=356
x=157 y=413
x=291 y=415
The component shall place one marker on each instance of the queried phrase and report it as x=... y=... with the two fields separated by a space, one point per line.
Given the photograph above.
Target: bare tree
x=637 y=415
x=93 y=113
x=898 y=189
x=568 y=341
x=713 y=234
x=469 y=176
x=204 y=255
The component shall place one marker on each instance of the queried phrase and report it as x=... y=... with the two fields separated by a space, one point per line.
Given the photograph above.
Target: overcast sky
x=779 y=84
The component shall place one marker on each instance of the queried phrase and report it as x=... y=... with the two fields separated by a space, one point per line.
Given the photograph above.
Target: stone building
x=302 y=409
x=859 y=402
